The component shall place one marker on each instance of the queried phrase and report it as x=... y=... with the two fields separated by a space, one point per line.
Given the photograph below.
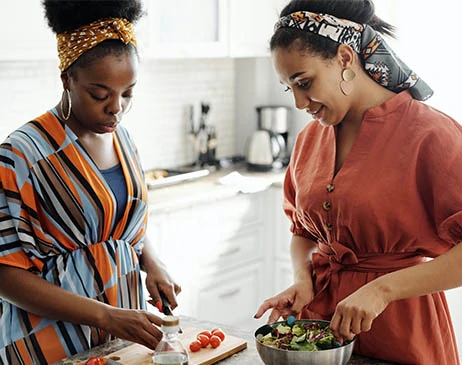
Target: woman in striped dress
x=73 y=207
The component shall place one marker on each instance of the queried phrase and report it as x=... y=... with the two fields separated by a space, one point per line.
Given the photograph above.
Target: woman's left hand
x=355 y=313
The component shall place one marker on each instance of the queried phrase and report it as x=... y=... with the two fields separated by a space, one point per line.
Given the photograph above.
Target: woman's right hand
x=290 y=302
x=133 y=325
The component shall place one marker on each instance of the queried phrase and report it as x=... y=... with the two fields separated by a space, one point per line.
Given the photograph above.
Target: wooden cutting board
x=139 y=355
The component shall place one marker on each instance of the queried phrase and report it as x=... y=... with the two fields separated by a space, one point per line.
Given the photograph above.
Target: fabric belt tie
x=333 y=258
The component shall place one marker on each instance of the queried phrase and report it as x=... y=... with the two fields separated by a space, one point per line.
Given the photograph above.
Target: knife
x=167 y=309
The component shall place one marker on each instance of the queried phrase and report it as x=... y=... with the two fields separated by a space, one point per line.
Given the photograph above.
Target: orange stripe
x=48 y=121
x=112 y=294
x=63 y=175
x=23 y=353
x=50 y=344
x=19 y=259
x=100 y=254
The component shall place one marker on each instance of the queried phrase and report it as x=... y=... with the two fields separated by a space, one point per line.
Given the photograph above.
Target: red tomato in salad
x=215 y=341
x=218 y=332
x=195 y=346
x=96 y=361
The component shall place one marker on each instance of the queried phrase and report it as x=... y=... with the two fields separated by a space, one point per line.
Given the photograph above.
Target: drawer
x=233 y=298
x=229 y=214
x=245 y=245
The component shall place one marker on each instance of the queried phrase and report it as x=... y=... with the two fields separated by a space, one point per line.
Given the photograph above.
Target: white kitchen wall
x=258 y=84
x=156 y=120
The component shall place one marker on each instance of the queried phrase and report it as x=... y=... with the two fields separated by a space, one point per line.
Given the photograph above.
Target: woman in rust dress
x=372 y=189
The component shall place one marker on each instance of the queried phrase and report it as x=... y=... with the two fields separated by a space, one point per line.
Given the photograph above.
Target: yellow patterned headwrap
x=72 y=44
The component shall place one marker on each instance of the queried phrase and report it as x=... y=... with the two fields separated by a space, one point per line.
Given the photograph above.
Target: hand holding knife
x=166 y=308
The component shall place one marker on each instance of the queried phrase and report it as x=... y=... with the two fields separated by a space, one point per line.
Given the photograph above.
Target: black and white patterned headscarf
x=380 y=61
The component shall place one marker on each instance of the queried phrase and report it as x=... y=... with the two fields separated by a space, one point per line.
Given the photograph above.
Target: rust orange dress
x=396 y=201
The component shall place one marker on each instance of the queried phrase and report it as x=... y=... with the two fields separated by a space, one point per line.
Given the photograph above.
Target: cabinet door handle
x=230 y=252
x=230 y=293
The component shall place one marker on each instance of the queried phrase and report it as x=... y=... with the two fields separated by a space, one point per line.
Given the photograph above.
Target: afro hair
x=66 y=15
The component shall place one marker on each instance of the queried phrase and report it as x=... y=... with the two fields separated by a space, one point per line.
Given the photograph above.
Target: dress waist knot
x=332 y=258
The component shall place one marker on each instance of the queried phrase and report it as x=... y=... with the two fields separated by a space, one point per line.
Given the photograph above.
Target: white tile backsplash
x=156 y=120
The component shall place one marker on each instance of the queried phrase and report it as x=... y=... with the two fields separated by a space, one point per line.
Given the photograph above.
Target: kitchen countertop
x=248 y=356
x=208 y=189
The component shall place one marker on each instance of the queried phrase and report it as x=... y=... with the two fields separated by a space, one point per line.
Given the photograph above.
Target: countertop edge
x=209 y=189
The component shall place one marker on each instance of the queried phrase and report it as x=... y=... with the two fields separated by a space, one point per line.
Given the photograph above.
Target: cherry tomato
x=207 y=333
x=215 y=341
x=195 y=346
x=204 y=340
x=219 y=332
x=96 y=361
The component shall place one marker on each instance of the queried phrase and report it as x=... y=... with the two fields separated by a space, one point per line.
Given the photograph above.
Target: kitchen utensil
x=140 y=355
x=173 y=176
x=274 y=356
x=166 y=309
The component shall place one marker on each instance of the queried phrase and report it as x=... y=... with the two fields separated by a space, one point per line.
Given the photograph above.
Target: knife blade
x=166 y=308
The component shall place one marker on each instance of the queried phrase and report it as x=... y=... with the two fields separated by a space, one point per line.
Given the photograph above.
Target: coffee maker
x=269 y=146
x=275 y=118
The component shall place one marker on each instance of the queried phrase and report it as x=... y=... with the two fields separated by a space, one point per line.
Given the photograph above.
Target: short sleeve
x=439 y=178
x=451 y=228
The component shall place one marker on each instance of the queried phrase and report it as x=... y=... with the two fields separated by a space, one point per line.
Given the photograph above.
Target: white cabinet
x=207 y=28
x=251 y=26
x=171 y=29
x=228 y=255
x=233 y=296
x=25 y=32
x=283 y=274
x=184 y=29
x=217 y=252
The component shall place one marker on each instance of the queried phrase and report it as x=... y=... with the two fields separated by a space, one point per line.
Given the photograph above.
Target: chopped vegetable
x=301 y=336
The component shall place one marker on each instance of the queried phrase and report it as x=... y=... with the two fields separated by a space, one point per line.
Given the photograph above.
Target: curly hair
x=359 y=11
x=68 y=15
x=65 y=15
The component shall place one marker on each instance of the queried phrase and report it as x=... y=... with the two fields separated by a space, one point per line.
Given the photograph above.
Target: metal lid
x=170 y=321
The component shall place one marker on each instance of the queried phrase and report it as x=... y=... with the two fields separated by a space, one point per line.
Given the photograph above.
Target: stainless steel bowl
x=274 y=356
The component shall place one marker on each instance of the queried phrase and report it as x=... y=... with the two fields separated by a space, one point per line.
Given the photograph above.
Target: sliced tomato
x=204 y=340
x=215 y=341
x=219 y=332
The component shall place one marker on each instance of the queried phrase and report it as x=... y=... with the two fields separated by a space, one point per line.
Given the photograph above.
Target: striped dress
x=57 y=220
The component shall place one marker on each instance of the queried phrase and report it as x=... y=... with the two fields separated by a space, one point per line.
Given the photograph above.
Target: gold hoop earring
x=345 y=86
x=69 y=103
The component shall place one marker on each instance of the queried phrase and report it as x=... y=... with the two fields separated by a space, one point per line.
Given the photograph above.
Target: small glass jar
x=170 y=350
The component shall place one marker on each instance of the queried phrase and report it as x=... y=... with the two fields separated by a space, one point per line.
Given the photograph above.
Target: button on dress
x=395 y=202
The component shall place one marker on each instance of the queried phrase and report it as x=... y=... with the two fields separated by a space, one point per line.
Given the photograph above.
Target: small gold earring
x=345 y=86
x=69 y=104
